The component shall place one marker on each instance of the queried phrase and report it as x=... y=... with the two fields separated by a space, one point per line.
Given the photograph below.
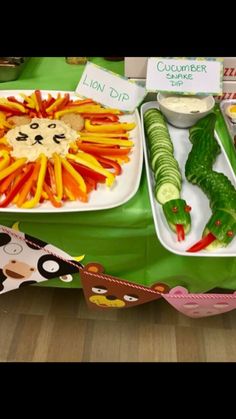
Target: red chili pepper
x=14 y=191
x=201 y=244
x=85 y=171
x=180 y=232
x=106 y=163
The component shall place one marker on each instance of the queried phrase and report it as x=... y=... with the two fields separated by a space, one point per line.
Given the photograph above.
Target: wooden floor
x=45 y=324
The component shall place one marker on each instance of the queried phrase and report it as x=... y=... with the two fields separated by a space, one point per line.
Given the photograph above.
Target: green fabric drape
x=123 y=239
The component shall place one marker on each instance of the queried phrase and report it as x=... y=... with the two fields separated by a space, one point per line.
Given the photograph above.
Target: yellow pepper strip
x=55 y=104
x=89 y=158
x=79 y=179
x=3 y=121
x=5 y=161
x=34 y=99
x=109 y=128
x=10 y=169
x=30 y=102
x=69 y=195
x=109 y=176
x=101 y=134
x=39 y=188
x=4 y=141
x=119 y=159
x=110 y=141
x=58 y=176
x=13 y=105
x=85 y=109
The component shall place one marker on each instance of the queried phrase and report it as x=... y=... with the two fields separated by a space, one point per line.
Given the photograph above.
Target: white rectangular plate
x=231 y=127
x=125 y=185
x=193 y=195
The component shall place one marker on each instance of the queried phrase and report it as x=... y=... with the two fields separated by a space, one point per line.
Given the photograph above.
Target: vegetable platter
x=192 y=186
x=62 y=153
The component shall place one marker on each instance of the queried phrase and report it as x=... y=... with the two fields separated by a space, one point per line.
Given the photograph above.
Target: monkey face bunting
x=25 y=260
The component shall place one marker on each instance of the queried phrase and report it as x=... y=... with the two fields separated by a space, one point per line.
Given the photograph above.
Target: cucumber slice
x=166 y=192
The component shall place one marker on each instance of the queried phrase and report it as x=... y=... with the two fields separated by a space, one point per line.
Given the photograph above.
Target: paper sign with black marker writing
x=184 y=75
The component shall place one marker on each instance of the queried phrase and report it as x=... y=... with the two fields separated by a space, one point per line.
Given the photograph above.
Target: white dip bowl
x=188 y=113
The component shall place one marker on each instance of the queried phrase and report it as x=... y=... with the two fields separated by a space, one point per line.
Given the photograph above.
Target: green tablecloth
x=123 y=239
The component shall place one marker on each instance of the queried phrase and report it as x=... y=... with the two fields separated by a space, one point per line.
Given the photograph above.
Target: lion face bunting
x=104 y=291
x=25 y=260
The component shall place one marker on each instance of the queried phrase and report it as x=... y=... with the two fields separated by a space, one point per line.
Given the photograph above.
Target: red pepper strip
x=48 y=102
x=13 y=99
x=103 y=150
x=180 y=232
x=63 y=103
x=97 y=121
x=10 y=110
x=91 y=184
x=108 y=116
x=201 y=244
x=40 y=103
x=54 y=202
x=87 y=172
x=79 y=102
x=17 y=187
x=8 y=180
x=106 y=163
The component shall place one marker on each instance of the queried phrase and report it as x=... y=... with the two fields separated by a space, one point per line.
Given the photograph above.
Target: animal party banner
x=185 y=75
x=26 y=260
x=110 y=89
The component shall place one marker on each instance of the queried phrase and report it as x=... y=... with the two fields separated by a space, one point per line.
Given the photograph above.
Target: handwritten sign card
x=183 y=75
x=110 y=89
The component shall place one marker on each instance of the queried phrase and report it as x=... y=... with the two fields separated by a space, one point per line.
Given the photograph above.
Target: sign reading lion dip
x=185 y=75
x=110 y=89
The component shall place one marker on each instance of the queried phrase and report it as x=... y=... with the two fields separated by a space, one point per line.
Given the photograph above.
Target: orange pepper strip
x=54 y=202
x=58 y=176
x=72 y=187
x=28 y=185
x=78 y=178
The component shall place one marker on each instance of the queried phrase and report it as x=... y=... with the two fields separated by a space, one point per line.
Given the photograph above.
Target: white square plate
x=125 y=185
x=193 y=195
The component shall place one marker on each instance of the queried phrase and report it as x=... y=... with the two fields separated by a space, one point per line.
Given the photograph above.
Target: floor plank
x=55 y=325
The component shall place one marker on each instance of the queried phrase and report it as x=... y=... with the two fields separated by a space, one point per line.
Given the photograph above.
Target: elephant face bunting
x=25 y=260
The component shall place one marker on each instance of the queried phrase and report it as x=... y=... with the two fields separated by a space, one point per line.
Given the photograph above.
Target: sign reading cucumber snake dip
x=183 y=75
x=110 y=89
